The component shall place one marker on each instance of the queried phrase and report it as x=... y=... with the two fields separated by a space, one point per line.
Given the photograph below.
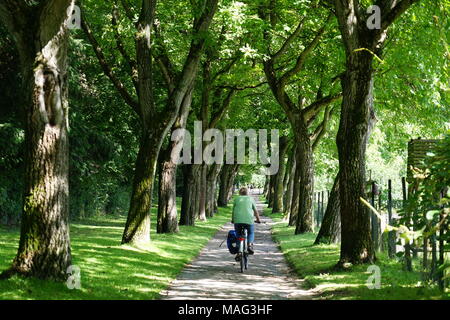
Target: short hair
x=243 y=191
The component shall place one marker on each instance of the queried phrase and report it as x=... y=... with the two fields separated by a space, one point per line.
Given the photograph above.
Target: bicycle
x=243 y=252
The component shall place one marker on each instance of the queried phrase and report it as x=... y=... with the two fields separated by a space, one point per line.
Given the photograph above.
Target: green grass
x=315 y=264
x=110 y=270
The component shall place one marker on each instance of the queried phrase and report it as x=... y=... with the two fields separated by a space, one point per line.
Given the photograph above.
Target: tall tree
x=211 y=110
x=224 y=75
x=41 y=35
x=301 y=114
x=155 y=122
x=361 y=45
x=167 y=204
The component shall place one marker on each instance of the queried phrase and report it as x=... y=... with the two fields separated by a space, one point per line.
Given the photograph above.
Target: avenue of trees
x=87 y=113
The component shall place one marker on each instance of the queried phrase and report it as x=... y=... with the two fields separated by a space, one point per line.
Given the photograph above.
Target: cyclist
x=244 y=211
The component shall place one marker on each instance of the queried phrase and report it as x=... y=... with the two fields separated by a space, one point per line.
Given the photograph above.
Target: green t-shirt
x=243 y=209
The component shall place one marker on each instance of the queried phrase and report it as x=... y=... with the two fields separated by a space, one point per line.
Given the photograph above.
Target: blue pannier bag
x=232 y=242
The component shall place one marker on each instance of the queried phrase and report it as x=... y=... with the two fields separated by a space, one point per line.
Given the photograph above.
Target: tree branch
x=322 y=127
x=206 y=86
x=304 y=54
x=289 y=40
x=314 y=108
x=120 y=46
x=128 y=11
x=143 y=39
x=189 y=71
x=392 y=10
x=243 y=88
x=106 y=67
x=218 y=115
x=227 y=67
x=162 y=58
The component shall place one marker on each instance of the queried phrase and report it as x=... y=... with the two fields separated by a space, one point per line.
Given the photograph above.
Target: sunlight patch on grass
x=315 y=264
x=95 y=228
x=110 y=270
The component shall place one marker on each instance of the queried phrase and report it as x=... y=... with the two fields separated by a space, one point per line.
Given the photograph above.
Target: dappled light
x=110 y=270
x=315 y=263
x=220 y=150
x=215 y=274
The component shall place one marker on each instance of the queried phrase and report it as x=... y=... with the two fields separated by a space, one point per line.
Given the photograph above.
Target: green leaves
x=431 y=214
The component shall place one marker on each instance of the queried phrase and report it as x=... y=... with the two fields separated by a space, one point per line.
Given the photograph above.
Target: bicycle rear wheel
x=245 y=261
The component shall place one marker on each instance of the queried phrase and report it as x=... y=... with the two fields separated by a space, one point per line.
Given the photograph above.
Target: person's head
x=243 y=191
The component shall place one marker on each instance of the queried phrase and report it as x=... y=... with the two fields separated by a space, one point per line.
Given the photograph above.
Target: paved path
x=215 y=275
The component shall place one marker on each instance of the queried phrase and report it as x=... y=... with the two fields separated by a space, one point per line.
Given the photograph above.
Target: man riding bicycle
x=244 y=211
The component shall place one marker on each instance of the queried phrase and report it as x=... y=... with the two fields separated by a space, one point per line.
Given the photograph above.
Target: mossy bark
x=156 y=124
x=137 y=227
x=357 y=87
x=42 y=37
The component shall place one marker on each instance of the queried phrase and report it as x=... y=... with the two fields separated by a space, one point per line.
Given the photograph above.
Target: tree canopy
x=88 y=117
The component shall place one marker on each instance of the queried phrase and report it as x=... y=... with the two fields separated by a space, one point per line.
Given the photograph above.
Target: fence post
x=433 y=256
x=441 y=281
x=374 y=219
x=391 y=234
x=408 y=224
x=425 y=255
x=381 y=236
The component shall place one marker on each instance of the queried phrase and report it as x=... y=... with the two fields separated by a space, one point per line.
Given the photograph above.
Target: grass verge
x=315 y=263
x=110 y=270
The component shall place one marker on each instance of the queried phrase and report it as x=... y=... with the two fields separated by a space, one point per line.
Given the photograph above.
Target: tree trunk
x=266 y=186
x=184 y=216
x=356 y=244
x=293 y=214
x=286 y=179
x=330 y=230
x=224 y=187
x=137 y=228
x=188 y=211
x=290 y=184
x=211 y=182
x=270 y=194
x=227 y=176
x=202 y=192
x=354 y=126
x=167 y=200
x=195 y=205
x=157 y=124
x=279 y=185
x=216 y=206
x=231 y=178
x=306 y=178
x=44 y=246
